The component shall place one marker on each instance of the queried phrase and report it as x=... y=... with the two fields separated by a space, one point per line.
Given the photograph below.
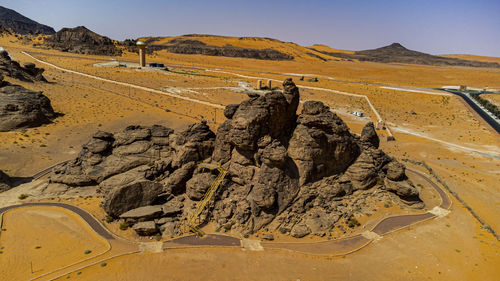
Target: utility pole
x=31 y=266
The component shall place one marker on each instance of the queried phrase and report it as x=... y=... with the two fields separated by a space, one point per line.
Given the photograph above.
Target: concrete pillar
x=142 y=56
x=259 y=84
x=142 y=53
x=269 y=84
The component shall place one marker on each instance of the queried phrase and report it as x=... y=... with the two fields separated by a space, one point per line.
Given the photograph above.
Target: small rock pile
x=28 y=73
x=22 y=108
x=298 y=174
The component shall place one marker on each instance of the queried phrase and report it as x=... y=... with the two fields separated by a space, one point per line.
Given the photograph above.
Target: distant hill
x=396 y=53
x=244 y=47
x=81 y=40
x=473 y=57
x=10 y=19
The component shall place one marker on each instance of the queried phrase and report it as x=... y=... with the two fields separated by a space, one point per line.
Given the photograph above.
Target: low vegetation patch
x=488 y=105
x=22 y=196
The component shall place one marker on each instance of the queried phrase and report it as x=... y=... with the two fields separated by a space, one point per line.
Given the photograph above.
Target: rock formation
x=396 y=53
x=4 y=181
x=20 y=24
x=189 y=46
x=81 y=40
x=22 y=108
x=28 y=73
x=299 y=174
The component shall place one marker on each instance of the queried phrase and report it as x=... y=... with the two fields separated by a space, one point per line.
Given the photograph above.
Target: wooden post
x=259 y=84
x=269 y=84
x=31 y=266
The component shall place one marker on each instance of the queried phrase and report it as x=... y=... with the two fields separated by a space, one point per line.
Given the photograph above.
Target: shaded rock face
x=321 y=144
x=23 y=108
x=28 y=73
x=297 y=174
x=4 y=181
x=21 y=24
x=81 y=40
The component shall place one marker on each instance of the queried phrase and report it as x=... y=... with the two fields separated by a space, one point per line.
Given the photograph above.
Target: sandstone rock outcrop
x=23 y=108
x=81 y=40
x=21 y=24
x=4 y=181
x=297 y=174
x=28 y=73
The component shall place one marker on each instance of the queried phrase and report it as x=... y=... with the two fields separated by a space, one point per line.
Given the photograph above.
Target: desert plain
x=428 y=126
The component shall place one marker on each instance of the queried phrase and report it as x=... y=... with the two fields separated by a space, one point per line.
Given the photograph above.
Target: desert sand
x=442 y=132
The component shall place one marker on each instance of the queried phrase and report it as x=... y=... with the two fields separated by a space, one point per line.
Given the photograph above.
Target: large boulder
x=396 y=171
x=107 y=155
x=369 y=135
x=4 y=181
x=28 y=73
x=195 y=143
x=321 y=144
x=404 y=189
x=133 y=195
x=271 y=114
x=198 y=185
x=23 y=108
x=143 y=213
x=146 y=228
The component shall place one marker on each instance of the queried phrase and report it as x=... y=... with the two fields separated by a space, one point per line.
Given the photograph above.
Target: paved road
x=94 y=224
x=327 y=247
x=486 y=117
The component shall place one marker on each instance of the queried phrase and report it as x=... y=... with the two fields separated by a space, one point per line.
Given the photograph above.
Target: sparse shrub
x=109 y=219
x=43 y=145
x=158 y=237
x=103 y=264
x=353 y=222
x=87 y=252
x=387 y=205
x=22 y=196
x=124 y=225
x=38 y=247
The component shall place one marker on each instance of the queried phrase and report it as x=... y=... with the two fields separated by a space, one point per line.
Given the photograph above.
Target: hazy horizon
x=436 y=27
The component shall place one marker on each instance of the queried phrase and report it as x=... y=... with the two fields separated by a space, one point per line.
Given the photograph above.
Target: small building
x=358 y=113
x=380 y=125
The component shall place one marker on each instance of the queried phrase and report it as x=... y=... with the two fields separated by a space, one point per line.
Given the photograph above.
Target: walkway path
x=127 y=84
x=331 y=247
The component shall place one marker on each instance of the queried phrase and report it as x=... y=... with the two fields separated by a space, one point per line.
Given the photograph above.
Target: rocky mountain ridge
x=81 y=40
x=397 y=53
x=20 y=24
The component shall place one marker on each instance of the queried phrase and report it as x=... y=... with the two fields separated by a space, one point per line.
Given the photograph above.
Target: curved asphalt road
x=346 y=245
x=94 y=224
x=487 y=118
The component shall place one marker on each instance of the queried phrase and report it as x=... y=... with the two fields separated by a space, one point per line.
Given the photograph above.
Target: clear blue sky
x=433 y=26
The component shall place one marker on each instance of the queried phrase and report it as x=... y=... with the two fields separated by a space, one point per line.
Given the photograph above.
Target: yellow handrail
x=192 y=221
